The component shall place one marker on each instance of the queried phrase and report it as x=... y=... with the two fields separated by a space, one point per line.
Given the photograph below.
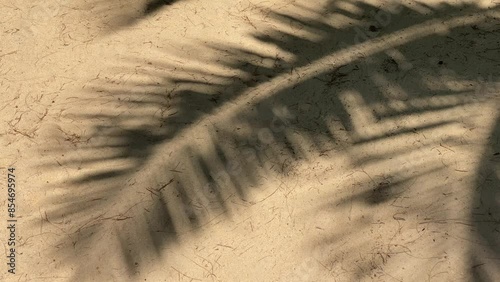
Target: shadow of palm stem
x=178 y=143
x=485 y=212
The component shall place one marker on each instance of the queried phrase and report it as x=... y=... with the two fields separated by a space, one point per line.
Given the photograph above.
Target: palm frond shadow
x=118 y=14
x=177 y=144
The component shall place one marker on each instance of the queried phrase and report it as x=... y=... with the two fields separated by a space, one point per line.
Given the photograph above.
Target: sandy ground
x=251 y=140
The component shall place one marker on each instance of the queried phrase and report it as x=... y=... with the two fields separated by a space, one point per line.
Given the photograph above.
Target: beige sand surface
x=251 y=140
